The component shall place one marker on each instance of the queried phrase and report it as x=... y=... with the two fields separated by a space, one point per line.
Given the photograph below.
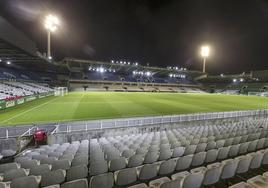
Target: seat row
x=194 y=178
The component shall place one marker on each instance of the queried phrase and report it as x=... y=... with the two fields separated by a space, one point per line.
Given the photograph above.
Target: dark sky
x=159 y=32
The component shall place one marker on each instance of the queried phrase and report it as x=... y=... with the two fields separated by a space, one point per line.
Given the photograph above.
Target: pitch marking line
x=24 y=112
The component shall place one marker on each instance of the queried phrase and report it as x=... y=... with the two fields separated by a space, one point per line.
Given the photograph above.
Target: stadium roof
x=125 y=67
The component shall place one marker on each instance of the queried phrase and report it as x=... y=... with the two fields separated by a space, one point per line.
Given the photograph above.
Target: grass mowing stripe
x=24 y=112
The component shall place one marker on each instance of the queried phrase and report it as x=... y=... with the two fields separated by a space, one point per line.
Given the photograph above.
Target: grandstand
x=124 y=124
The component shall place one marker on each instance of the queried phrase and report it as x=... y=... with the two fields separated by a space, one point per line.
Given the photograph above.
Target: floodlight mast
x=51 y=24
x=204 y=54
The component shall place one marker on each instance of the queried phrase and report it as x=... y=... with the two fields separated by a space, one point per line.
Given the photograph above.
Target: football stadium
x=87 y=109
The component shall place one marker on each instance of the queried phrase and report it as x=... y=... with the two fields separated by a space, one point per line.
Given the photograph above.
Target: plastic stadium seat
x=201 y=147
x=8 y=166
x=40 y=169
x=102 y=181
x=142 y=185
x=234 y=150
x=258 y=182
x=98 y=168
x=193 y=180
x=212 y=174
x=229 y=168
x=241 y=185
x=184 y=162
x=61 y=164
x=223 y=153
x=80 y=160
x=48 y=160
x=4 y=184
x=125 y=177
x=29 y=163
x=128 y=153
x=52 y=186
x=39 y=157
x=171 y=184
x=243 y=164
x=151 y=157
x=135 y=160
x=211 y=156
x=117 y=164
x=8 y=153
x=198 y=159
x=190 y=149
x=77 y=172
x=256 y=160
x=243 y=148
x=148 y=171
x=167 y=167
x=158 y=182
x=28 y=181
x=15 y=173
x=165 y=154
x=81 y=183
x=178 y=152
x=53 y=177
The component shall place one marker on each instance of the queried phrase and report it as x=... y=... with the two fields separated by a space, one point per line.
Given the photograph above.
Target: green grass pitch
x=100 y=105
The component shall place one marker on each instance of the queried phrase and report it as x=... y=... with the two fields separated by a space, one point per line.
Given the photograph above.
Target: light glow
x=51 y=23
x=204 y=51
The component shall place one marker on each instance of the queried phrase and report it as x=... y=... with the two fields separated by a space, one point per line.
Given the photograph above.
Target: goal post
x=60 y=91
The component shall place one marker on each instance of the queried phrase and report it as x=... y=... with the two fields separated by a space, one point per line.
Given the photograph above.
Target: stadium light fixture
x=8 y=62
x=0 y=60
x=204 y=53
x=234 y=80
x=241 y=80
x=51 y=24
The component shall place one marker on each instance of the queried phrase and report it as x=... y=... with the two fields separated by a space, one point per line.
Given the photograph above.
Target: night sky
x=158 y=32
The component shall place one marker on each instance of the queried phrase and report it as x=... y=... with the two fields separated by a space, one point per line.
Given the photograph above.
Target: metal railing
x=79 y=126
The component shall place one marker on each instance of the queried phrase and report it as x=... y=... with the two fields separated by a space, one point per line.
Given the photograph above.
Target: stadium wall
x=8 y=104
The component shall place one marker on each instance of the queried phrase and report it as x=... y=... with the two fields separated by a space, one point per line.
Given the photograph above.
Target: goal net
x=60 y=91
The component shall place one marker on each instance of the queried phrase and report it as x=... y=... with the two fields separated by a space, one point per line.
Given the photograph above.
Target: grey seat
x=53 y=177
x=178 y=152
x=229 y=168
x=40 y=169
x=243 y=164
x=81 y=183
x=135 y=160
x=28 y=181
x=252 y=146
x=243 y=148
x=158 y=182
x=198 y=159
x=29 y=163
x=77 y=172
x=4 y=184
x=125 y=177
x=190 y=149
x=193 y=180
x=201 y=147
x=223 y=153
x=234 y=150
x=167 y=167
x=184 y=162
x=102 y=181
x=61 y=164
x=48 y=160
x=8 y=153
x=212 y=175
x=98 y=168
x=171 y=184
x=80 y=160
x=165 y=154
x=256 y=160
x=117 y=164
x=211 y=156
x=150 y=157
x=141 y=185
x=128 y=153
x=8 y=166
x=15 y=173
x=148 y=172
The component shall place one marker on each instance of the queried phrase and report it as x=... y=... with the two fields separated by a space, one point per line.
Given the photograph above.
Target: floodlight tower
x=204 y=54
x=51 y=24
